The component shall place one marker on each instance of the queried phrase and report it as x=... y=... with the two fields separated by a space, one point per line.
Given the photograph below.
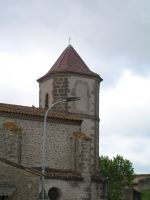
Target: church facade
x=72 y=144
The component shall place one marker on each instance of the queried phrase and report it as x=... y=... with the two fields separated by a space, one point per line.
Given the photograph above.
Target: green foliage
x=145 y=195
x=119 y=174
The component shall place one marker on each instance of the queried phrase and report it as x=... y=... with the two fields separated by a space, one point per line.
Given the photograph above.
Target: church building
x=72 y=141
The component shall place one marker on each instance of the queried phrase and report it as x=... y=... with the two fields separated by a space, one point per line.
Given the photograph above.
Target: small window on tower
x=46 y=100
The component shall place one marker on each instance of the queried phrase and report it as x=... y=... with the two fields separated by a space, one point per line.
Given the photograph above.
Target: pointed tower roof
x=69 y=61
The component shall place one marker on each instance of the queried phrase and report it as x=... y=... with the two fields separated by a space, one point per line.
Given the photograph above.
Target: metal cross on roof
x=69 y=40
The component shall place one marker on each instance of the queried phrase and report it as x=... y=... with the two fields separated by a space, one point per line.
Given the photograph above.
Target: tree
x=119 y=173
x=145 y=195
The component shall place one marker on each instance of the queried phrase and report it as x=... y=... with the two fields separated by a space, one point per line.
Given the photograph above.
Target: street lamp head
x=73 y=98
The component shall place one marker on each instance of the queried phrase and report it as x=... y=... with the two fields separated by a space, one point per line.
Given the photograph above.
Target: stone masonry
x=59 y=143
x=25 y=184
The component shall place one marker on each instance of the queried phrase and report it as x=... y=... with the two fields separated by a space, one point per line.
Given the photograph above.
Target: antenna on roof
x=69 y=40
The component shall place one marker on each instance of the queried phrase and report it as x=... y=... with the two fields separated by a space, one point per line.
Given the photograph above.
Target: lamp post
x=65 y=99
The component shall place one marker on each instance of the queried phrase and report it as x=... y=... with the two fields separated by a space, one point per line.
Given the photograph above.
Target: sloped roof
x=49 y=173
x=69 y=61
x=140 y=177
x=19 y=166
x=36 y=112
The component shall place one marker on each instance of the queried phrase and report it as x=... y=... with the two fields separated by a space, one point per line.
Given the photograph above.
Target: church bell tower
x=70 y=76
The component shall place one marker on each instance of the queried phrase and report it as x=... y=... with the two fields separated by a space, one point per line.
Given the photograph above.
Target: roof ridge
x=8 y=104
x=80 y=58
x=37 y=112
x=63 y=54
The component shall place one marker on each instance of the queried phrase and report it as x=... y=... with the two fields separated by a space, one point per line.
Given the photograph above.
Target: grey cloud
x=125 y=126
x=136 y=149
x=111 y=35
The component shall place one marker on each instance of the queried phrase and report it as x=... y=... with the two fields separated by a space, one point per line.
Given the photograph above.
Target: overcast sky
x=112 y=37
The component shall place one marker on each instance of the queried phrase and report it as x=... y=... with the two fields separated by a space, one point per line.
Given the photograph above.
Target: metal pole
x=44 y=144
x=65 y=99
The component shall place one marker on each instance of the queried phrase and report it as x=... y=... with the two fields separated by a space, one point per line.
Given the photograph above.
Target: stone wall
x=77 y=190
x=88 y=109
x=59 y=144
x=56 y=87
x=69 y=190
x=46 y=87
x=60 y=89
x=98 y=191
x=85 y=189
x=83 y=87
x=10 y=141
x=26 y=185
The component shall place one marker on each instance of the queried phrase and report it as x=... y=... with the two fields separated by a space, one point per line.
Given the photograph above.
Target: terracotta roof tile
x=69 y=61
x=19 y=166
x=50 y=173
x=62 y=174
x=34 y=111
x=140 y=177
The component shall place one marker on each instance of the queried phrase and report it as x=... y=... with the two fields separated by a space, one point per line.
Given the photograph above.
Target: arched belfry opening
x=46 y=100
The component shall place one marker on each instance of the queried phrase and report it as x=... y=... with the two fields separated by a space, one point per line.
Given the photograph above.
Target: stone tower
x=70 y=76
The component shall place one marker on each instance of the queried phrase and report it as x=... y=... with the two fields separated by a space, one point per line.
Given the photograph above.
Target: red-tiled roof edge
x=34 y=111
x=61 y=174
x=66 y=174
x=19 y=166
x=47 y=76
